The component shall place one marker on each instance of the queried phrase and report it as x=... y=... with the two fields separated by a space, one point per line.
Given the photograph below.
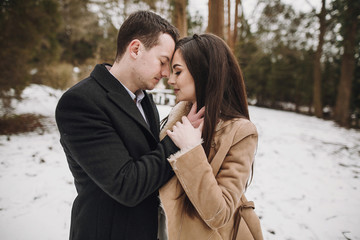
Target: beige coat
x=214 y=185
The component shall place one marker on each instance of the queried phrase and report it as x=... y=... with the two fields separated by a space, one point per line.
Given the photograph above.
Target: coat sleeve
x=97 y=152
x=216 y=197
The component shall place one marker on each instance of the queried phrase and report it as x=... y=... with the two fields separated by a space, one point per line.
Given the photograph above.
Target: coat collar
x=223 y=124
x=102 y=75
x=183 y=109
x=118 y=94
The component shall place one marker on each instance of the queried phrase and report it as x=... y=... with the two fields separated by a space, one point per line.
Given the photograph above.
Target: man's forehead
x=166 y=40
x=165 y=47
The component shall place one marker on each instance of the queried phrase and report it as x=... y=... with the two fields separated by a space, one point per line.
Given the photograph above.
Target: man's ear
x=134 y=48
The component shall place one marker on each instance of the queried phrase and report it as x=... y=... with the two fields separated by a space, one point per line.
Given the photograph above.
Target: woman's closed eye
x=177 y=73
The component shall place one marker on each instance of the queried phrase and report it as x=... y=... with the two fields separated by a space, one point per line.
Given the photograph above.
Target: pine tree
x=179 y=16
x=350 y=20
x=28 y=36
x=318 y=106
x=216 y=18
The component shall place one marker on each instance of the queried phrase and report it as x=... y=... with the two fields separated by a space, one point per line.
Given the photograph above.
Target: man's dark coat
x=117 y=161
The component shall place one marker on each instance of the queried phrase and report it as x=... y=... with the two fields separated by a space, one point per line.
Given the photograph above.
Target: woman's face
x=181 y=79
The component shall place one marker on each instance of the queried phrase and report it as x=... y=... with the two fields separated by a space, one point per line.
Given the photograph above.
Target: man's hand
x=196 y=118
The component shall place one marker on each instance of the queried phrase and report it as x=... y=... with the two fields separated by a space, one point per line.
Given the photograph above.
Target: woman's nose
x=165 y=72
x=171 y=80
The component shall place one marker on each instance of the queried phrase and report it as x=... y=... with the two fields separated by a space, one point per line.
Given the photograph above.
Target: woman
x=205 y=198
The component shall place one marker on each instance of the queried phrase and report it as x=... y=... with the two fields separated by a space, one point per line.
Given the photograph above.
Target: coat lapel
x=129 y=107
x=118 y=94
x=152 y=114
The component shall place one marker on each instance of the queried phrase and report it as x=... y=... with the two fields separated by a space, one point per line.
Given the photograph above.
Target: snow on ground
x=306 y=182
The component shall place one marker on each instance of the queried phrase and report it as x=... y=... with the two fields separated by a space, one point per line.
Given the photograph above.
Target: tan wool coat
x=214 y=185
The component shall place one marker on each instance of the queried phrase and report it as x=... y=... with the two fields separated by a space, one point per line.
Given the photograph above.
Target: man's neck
x=121 y=72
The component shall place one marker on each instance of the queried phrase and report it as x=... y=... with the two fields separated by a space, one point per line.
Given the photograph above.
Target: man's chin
x=150 y=87
x=153 y=85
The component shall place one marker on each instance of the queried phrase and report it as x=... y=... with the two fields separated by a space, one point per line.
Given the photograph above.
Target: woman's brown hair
x=219 y=85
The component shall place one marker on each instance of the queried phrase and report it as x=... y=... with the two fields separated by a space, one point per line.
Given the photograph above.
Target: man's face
x=154 y=64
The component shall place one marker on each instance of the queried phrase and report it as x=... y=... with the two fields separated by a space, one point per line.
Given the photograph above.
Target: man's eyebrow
x=167 y=58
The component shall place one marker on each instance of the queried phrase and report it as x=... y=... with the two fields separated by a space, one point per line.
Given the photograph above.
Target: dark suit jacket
x=117 y=161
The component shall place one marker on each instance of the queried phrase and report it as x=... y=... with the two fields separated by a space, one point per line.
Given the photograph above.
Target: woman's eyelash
x=177 y=73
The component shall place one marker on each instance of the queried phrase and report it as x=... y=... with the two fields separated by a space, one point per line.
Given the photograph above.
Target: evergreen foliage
x=42 y=41
x=28 y=37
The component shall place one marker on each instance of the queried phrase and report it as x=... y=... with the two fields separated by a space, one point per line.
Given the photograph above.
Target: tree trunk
x=229 y=38
x=151 y=4
x=125 y=9
x=318 y=106
x=236 y=20
x=179 y=16
x=347 y=69
x=216 y=18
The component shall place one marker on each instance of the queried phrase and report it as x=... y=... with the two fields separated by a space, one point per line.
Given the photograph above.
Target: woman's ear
x=134 y=48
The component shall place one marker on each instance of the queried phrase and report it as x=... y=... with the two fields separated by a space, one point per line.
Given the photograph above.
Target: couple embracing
x=185 y=180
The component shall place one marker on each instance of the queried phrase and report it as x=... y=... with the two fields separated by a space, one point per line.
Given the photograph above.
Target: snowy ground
x=306 y=183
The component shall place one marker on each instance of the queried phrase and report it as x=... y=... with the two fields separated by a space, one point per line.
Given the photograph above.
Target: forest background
x=307 y=62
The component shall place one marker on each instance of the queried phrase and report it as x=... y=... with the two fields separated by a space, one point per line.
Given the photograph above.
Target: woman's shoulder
x=240 y=127
x=244 y=123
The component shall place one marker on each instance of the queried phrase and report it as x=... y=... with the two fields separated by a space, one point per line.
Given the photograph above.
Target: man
x=109 y=130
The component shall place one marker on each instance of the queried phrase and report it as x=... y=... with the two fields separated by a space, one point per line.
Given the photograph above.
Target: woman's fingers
x=195 y=117
x=201 y=125
x=184 y=135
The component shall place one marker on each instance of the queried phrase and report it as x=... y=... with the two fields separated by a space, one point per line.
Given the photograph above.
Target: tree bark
x=125 y=8
x=179 y=16
x=216 y=18
x=342 y=106
x=318 y=106
x=151 y=4
x=236 y=21
x=229 y=38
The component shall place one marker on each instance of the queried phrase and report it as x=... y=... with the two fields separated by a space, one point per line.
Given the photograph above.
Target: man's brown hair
x=145 y=26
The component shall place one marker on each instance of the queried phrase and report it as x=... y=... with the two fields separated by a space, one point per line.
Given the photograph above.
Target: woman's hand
x=184 y=135
x=196 y=118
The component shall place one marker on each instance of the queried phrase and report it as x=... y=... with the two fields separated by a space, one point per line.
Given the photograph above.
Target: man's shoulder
x=86 y=87
x=84 y=91
x=90 y=82
x=82 y=84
